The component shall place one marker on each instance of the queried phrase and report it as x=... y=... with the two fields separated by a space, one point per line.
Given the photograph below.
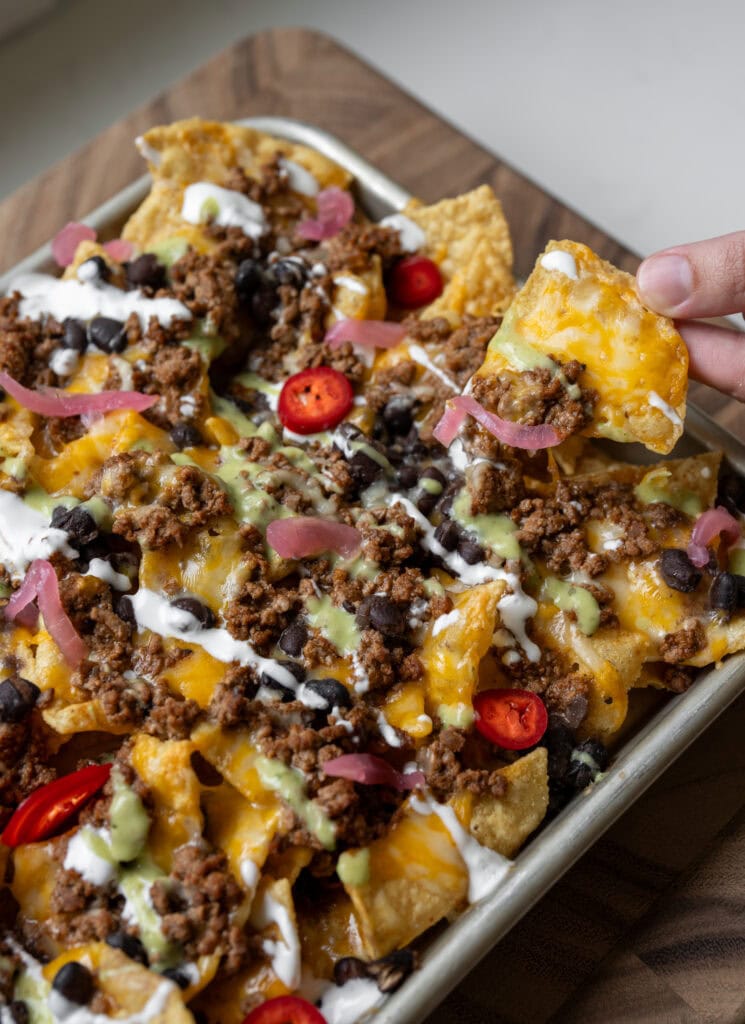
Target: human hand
x=702 y=279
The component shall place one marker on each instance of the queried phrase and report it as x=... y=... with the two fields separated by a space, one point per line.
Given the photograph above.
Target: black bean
x=145 y=272
x=392 y=970
x=125 y=609
x=204 y=615
x=349 y=968
x=94 y=269
x=678 y=571
x=426 y=502
x=130 y=945
x=293 y=638
x=448 y=534
x=74 y=335
x=334 y=693
x=77 y=522
x=575 y=711
x=107 y=334
x=248 y=279
x=587 y=761
x=378 y=612
x=263 y=304
x=731 y=493
x=19 y=1012
x=559 y=741
x=177 y=975
x=75 y=982
x=398 y=415
x=284 y=693
x=363 y=469
x=724 y=593
x=186 y=435
x=470 y=551
x=17 y=698
x=288 y=271
x=433 y=473
x=407 y=477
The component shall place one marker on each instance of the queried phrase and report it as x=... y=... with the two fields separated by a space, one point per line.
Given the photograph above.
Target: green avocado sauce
x=570 y=598
x=334 y=623
x=290 y=785
x=353 y=867
x=656 y=485
x=494 y=531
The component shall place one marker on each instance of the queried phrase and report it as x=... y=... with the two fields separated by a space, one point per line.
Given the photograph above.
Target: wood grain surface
x=649 y=925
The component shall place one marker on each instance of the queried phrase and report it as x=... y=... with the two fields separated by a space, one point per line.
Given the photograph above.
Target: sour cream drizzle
x=284 y=953
x=486 y=869
x=411 y=235
x=667 y=410
x=418 y=354
x=299 y=178
x=231 y=209
x=562 y=261
x=25 y=535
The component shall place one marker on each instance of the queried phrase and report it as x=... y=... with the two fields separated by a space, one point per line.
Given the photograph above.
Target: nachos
x=317 y=597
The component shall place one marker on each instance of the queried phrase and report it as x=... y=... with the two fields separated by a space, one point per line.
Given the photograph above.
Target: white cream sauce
x=667 y=410
x=234 y=210
x=387 y=731
x=45 y=296
x=147 y=151
x=25 y=535
x=64 y=361
x=411 y=235
x=299 y=178
x=444 y=621
x=486 y=869
x=352 y=284
x=155 y=613
x=105 y=571
x=81 y=856
x=418 y=354
x=285 y=952
x=561 y=261
x=345 y=1004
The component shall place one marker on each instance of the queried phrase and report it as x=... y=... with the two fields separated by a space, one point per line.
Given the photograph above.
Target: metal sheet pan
x=457 y=949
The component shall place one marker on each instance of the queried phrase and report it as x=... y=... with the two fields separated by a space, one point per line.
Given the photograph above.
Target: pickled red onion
x=41 y=584
x=55 y=402
x=711 y=523
x=335 y=208
x=300 y=536
x=66 y=241
x=370 y=770
x=119 y=249
x=517 y=435
x=371 y=333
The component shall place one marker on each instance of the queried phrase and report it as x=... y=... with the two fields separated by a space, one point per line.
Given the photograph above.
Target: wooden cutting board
x=650 y=924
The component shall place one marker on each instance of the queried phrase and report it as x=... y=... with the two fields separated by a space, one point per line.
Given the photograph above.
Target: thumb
x=701 y=279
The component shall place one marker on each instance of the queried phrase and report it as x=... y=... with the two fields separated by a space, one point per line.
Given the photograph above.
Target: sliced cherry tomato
x=415 y=281
x=43 y=812
x=285 y=1010
x=314 y=399
x=513 y=719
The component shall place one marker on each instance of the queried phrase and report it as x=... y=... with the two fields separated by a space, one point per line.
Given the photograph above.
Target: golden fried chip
x=576 y=306
x=504 y=823
x=469 y=239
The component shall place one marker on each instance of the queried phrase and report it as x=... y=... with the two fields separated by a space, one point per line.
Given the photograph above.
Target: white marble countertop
x=632 y=113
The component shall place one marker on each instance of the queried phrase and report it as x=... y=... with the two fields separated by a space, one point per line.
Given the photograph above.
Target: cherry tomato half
x=513 y=719
x=43 y=812
x=415 y=281
x=285 y=1010
x=314 y=399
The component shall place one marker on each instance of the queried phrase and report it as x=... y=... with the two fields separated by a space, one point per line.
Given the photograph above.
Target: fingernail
x=665 y=282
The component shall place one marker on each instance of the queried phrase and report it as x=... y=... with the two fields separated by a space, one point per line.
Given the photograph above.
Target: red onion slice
x=370 y=770
x=449 y=424
x=335 y=208
x=55 y=402
x=300 y=536
x=713 y=522
x=119 y=250
x=370 y=333
x=66 y=242
x=41 y=583
x=517 y=435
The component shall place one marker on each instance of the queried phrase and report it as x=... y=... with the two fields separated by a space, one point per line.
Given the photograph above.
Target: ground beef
x=683 y=644
x=389 y=535
x=550 y=527
x=385 y=662
x=174 y=372
x=261 y=611
x=26 y=346
x=353 y=246
x=122 y=475
x=204 y=283
x=465 y=349
x=677 y=678
x=196 y=903
x=494 y=489
x=170 y=717
x=442 y=763
x=562 y=686
x=195 y=498
x=59 y=431
x=87 y=601
x=24 y=762
x=151 y=526
x=319 y=651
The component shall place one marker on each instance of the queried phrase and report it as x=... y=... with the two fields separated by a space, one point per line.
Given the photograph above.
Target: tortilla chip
x=469 y=239
x=504 y=823
x=194 y=150
x=634 y=358
x=416 y=878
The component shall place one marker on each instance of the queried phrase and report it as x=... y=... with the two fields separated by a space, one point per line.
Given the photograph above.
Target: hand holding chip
x=702 y=279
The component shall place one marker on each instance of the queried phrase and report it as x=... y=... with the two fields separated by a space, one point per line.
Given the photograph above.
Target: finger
x=701 y=279
x=717 y=357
